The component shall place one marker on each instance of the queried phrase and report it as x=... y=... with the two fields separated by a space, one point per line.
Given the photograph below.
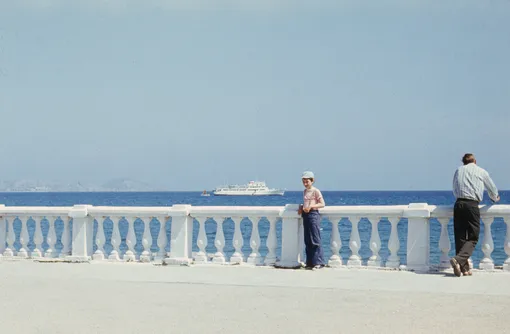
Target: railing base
x=418 y=269
x=72 y=258
x=287 y=265
x=177 y=261
x=486 y=265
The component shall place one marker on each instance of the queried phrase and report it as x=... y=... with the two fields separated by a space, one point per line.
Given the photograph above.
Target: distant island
x=120 y=184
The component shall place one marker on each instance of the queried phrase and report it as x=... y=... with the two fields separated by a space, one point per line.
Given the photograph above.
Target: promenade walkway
x=144 y=298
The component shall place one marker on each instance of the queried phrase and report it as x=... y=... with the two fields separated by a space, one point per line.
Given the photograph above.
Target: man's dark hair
x=468 y=158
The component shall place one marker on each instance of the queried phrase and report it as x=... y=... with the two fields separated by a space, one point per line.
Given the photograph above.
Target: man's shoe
x=455 y=266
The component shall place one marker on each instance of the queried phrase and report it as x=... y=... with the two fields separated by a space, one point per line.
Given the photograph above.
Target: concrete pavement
x=144 y=298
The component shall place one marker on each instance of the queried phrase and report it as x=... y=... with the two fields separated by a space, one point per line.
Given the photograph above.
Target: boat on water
x=253 y=188
x=204 y=193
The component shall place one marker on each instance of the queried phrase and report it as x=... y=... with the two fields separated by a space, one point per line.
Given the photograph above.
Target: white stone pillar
x=418 y=236
x=291 y=243
x=506 y=265
x=335 y=260
x=444 y=244
x=181 y=236
x=81 y=249
x=3 y=232
x=487 y=263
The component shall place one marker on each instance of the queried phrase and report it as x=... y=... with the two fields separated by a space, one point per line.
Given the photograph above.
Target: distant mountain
x=123 y=184
x=120 y=184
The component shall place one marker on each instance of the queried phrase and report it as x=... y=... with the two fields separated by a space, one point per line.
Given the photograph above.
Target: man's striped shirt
x=469 y=182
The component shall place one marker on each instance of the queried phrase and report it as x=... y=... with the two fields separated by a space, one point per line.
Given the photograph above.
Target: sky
x=188 y=95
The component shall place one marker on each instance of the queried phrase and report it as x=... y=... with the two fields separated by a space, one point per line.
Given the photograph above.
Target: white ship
x=254 y=188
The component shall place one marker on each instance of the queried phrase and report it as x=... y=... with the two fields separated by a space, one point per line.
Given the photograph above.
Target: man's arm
x=455 y=184
x=491 y=187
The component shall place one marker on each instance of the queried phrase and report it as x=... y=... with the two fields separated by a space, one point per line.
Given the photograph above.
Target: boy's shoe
x=319 y=266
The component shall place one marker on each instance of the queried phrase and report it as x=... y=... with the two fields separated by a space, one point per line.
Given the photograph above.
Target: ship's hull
x=249 y=193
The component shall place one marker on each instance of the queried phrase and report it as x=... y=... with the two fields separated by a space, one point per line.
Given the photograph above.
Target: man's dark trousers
x=466 y=226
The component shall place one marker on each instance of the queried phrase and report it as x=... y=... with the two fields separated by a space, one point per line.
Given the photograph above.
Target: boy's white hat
x=307 y=175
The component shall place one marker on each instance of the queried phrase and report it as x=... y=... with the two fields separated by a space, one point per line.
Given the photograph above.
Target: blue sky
x=187 y=95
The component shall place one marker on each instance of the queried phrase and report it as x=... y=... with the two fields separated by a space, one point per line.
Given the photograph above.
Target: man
x=469 y=182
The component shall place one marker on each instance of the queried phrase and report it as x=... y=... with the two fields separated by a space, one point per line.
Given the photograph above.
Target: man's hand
x=300 y=210
x=497 y=199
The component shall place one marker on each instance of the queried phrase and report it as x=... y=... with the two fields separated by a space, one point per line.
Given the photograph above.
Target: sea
x=290 y=197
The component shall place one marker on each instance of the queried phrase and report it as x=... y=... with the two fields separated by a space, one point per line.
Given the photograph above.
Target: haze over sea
x=290 y=197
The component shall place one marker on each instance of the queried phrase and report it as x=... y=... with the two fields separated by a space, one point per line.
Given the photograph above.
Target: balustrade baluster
x=130 y=241
x=375 y=243
x=66 y=237
x=51 y=238
x=393 y=244
x=444 y=244
x=116 y=240
x=219 y=242
x=506 y=265
x=3 y=234
x=146 y=240
x=255 y=258
x=354 y=244
x=271 y=242
x=201 y=256
x=237 y=242
x=11 y=238
x=487 y=246
x=335 y=260
x=162 y=239
x=38 y=238
x=23 y=238
x=99 y=254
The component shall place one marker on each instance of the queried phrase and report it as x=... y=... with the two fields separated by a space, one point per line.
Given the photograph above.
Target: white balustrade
x=444 y=244
x=146 y=240
x=38 y=238
x=393 y=244
x=11 y=238
x=162 y=239
x=3 y=234
x=99 y=254
x=506 y=265
x=66 y=237
x=375 y=243
x=237 y=242
x=201 y=256
x=271 y=242
x=354 y=244
x=219 y=242
x=255 y=257
x=24 y=238
x=115 y=240
x=14 y=223
x=51 y=238
x=336 y=244
x=487 y=246
x=130 y=241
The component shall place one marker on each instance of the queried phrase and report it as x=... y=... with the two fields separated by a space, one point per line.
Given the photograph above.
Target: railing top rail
x=236 y=211
x=497 y=210
x=10 y=211
x=365 y=210
x=136 y=211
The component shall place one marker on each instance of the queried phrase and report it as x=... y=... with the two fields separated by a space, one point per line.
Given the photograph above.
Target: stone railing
x=85 y=232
